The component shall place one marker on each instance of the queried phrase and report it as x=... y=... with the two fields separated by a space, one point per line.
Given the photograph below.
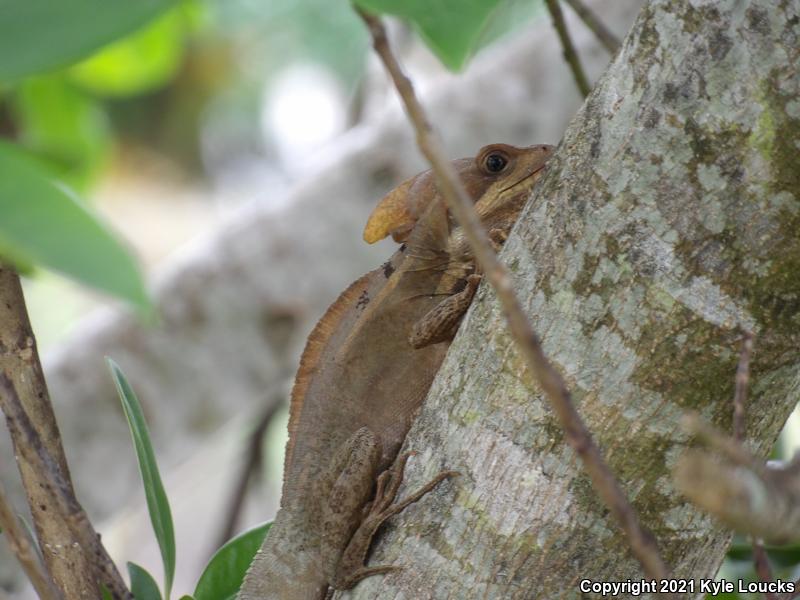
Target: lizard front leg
x=441 y=323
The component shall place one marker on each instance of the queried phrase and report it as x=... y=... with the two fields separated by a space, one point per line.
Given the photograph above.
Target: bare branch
x=642 y=543
x=73 y=555
x=20 y=545
x=603 y=33
x=570 y=55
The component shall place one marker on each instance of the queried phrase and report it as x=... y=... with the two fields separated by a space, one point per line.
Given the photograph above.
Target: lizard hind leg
x=351 y=568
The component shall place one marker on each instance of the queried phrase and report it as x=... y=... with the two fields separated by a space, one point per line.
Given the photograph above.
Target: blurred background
x=237 y=146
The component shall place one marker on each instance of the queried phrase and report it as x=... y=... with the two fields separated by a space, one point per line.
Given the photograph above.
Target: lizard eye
x=495 y=162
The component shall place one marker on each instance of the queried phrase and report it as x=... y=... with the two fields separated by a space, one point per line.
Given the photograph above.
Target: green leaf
x=452 y=29
x=39 y=35
x=157 y=503
x=42 y=222
x=62 y=126
x=224 y=573
x=143 y=586
x=104 y=593
x=138 y=63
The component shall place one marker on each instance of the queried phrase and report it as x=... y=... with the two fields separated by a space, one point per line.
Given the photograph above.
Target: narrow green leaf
x=104 y=593
x=224 y=573
x=157 y=503
x=452 y=29
x=38 y=35
x=32 y=539
x=143 y=586
x=42 y=222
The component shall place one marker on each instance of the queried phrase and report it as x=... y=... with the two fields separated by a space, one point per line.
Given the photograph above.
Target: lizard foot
x=351 y=568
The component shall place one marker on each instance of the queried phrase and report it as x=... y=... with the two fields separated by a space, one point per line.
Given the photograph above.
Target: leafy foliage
x=453 y=29
x=38 y=35
x=42 y=222
x=61 y=126
x=138 y=63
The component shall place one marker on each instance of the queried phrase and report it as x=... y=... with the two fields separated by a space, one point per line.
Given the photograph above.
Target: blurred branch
x=749 y=496
x=21 y=546
x=761 y=566
x=605 y=484
x=764 y=503
x=71 y=548
x=725 y=445
x=255 y=449
x=603 y=33
x=570 y=55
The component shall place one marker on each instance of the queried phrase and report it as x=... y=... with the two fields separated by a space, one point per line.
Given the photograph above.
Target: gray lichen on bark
x=667 y=223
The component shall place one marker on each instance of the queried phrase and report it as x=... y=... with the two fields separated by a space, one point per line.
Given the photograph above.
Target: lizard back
x=358 y=368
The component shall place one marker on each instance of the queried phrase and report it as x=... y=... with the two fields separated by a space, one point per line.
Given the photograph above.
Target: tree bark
x=667 y=223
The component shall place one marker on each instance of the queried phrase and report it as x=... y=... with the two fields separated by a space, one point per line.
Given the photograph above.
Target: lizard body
x=367 y=367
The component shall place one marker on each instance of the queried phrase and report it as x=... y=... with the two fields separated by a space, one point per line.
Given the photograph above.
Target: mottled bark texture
x=668 y=221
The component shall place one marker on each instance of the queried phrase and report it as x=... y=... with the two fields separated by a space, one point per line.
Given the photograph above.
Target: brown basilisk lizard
x=365 y=371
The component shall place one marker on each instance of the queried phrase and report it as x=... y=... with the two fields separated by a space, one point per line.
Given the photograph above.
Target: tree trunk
x=667 y=223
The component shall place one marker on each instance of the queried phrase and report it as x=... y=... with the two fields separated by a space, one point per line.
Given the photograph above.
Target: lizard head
x=498 y=179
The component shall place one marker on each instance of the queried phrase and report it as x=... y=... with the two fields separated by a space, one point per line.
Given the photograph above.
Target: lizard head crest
x=498 y=175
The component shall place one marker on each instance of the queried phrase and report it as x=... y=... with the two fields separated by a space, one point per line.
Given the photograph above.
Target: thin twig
x=742 y=381
x=570 y=55
x=760 y=559
x=641 y=541
x=22 y=548
x=603 y=33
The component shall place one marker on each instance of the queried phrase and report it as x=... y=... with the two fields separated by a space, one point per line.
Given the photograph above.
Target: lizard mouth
x=520 y=180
